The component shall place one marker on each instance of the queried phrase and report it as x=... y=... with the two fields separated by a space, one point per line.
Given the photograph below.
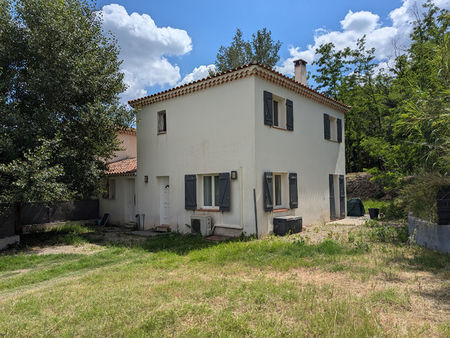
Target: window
x=332 y=128
x=110 y=191
x=278 y=199
x=162 y=122
x=279 y=112
x=211 y=191
x=280 y=190
x=275 y=113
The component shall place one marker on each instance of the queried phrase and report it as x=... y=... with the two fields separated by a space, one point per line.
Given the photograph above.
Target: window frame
x=214 y=192
x=280 y=103
x=111 y=189
x=284 y=190
x=333 y=129
x=162 y=115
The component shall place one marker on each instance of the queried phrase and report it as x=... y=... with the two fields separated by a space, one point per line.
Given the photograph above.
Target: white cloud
x=360 y=22
x=198 y=73
x=388 y=40
x=144 y=48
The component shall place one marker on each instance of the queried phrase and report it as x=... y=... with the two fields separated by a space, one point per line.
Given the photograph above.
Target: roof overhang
x=248 y=70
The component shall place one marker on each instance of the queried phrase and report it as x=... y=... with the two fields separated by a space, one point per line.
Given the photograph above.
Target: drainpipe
x=241 y=188
x=256 y=214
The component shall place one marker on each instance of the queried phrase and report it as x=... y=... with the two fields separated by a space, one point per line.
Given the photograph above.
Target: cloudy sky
x=168 y=43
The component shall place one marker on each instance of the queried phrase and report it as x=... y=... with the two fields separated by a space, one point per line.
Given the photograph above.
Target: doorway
x=164 y=194
x=131 y=210
x=337 y=196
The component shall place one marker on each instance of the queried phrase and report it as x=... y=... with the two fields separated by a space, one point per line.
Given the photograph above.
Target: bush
x=420 y=195
x=387 y=233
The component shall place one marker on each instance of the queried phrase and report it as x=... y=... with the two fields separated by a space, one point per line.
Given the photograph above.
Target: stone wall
x=359 y=185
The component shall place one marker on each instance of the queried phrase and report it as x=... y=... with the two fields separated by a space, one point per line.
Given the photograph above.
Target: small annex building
x=119 y=200
x=239 y=150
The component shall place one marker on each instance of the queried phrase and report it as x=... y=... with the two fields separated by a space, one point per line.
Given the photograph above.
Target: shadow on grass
x=423 y=259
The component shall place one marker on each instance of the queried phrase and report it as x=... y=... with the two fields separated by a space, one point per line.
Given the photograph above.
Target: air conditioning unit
x=201 y=225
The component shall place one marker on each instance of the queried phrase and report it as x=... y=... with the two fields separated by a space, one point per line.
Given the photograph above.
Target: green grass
x=379 y=204
x=178 y=285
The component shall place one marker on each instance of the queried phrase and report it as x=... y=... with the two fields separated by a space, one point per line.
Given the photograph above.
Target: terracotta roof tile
x=265 y=72
x=122 y=167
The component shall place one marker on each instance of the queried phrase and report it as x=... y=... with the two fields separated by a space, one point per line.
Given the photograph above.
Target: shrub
x=419 y=196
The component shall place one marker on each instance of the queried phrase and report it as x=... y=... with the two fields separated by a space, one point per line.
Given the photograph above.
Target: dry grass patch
x=185 y=286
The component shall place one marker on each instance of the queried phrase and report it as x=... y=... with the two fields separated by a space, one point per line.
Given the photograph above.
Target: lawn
x=329 y=280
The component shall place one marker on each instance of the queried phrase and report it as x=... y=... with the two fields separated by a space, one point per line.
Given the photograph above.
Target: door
x=131 y=201
x=164 y=201
x=341 y=196
x=332 y=199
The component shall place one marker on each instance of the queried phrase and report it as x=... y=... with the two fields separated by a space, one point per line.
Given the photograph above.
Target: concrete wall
x=303 y=150
x=122 y=207
x=128 y=145
x=208 y=132
x=429 y=235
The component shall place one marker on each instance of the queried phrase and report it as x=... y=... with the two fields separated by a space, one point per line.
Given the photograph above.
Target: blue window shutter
x=332 y=206
x=326 y=126
x=224 y=192
x=339 y=130
x=293 y=191
x=268 y=112
x=342 y=196
x=289 y=115
x=190 y=192
x=268 y=191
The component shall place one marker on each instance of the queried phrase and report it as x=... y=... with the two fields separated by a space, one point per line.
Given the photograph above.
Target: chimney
x=300 y=71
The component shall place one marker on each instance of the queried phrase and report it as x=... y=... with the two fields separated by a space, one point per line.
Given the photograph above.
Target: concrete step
x=227 y=230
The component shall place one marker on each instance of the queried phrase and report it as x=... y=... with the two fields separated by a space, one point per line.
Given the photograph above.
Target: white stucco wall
x=128 y=145
x=303 y=150
x=220 y=129
x=121 y=208
x=209 y=131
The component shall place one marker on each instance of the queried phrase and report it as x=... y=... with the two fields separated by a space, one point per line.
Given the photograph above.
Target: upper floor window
x=162 y=122
x=278 y=112
x=332 y=128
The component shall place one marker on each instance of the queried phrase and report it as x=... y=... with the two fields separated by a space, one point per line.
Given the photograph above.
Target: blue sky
x=157 y=57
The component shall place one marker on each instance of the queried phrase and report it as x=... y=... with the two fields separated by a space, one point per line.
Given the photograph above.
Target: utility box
x=284 y=225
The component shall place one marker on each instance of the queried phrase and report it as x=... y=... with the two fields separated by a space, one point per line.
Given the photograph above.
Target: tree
x=59 y=104
x=399 y=121
x=261 y=49
x=331 y=69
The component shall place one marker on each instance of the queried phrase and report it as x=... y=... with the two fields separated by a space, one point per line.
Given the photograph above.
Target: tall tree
x=261 y=49
x=399 y=121
x=59 y=104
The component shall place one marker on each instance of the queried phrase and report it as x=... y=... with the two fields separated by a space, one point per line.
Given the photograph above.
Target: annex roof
x=122 y=167
x=251 y=69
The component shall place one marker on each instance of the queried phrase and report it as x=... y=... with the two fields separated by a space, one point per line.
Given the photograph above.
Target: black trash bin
x=373 y=213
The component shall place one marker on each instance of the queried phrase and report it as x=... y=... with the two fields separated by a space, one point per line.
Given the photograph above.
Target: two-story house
x=242 y=147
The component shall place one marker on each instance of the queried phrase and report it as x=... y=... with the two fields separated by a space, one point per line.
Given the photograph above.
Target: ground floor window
x=211 y=191
x=278 y=198
x=110 y=189
x=280 y=190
